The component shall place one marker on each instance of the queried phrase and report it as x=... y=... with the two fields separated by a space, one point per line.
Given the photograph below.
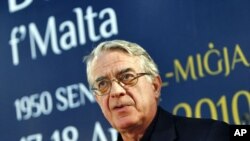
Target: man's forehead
x=114 y=60
x=123 y=70
x=114 y=73
x=109 y=63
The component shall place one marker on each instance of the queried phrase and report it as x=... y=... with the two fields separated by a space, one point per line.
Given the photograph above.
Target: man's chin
x=126 y=123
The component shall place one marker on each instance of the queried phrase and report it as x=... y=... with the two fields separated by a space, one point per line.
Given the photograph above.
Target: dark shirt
x=167 y=127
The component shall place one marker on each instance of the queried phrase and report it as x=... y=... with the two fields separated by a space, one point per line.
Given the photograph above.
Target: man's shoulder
x=187 y=121
x=197 y=122
x=194 y=128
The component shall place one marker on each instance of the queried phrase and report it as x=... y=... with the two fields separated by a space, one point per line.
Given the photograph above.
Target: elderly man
x=127 y=85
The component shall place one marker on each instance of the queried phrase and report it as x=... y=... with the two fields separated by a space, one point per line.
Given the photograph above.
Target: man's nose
x=117 y=89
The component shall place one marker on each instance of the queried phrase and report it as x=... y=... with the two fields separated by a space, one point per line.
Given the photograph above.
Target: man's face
x=125 y=107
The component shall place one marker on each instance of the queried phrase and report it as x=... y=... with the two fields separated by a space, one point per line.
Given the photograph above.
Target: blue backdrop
x=201 y=48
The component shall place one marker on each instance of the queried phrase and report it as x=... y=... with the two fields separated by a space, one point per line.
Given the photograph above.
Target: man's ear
x=157 y=84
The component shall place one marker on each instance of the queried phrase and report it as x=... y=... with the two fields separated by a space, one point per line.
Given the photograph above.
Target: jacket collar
x=165 y=127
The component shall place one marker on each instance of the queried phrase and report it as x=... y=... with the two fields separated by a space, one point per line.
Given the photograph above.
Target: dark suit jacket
x=167 y=127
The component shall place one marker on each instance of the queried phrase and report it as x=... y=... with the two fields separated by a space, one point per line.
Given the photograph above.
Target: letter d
x=13 y=6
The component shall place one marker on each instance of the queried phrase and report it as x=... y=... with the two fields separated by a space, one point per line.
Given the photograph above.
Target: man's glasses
x=103 y=86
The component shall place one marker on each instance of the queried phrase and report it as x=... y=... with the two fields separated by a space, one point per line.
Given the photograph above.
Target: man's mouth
x=120 y=106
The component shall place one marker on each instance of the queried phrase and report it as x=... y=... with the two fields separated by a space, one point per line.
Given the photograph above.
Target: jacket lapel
x=165 y=127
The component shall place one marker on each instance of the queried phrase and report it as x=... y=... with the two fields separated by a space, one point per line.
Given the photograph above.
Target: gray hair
x=130 y=48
